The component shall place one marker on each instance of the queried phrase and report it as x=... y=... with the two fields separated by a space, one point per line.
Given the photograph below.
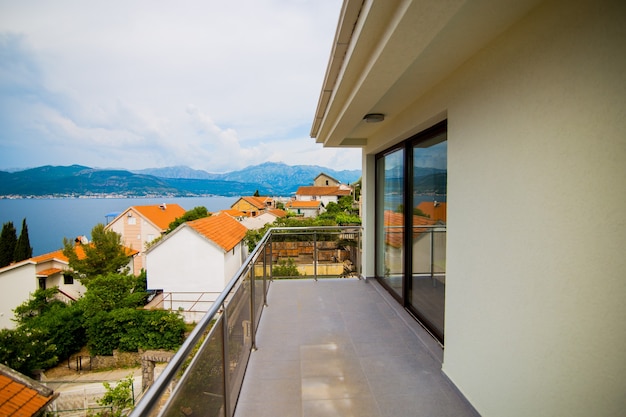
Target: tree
x=8 y=241
x=118 y=398
x=23 y=250
x=256 y=194
x=193 y=214
x=105 y=254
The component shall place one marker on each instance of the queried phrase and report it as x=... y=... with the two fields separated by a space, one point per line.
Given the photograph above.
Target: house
x=139 y=225
x=304 y=208
x=513 y=112
x=324 y=194
x=192 y=264
x=19 y=280
x=252 y=205
x=268 y=216
x=325 y=180
x=22 y=396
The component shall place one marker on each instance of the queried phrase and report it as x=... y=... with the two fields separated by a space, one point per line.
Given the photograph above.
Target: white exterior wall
x=535 y=291
x=186 y=262
x=16 y=285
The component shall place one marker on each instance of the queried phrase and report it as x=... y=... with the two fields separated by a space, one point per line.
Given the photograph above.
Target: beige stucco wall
x=536 y=272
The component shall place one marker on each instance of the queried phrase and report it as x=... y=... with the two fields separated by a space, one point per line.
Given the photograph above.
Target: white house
x=139 y=225
x=304 y=208
x=513 y=113
x=323 y=194
x=191 y=265
x=19 y=280
x=268 y=216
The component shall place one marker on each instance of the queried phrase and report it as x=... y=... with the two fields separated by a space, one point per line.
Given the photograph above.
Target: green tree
x=58 y=323
x=105 y=254
x=118 y=398
x=23 y=250
x=256 y=193
x=26 y=350
x=8 y=241
x=193 y=214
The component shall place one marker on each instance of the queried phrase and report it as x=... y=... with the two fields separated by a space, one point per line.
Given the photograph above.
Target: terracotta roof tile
x=79 y=251
x=436 y=211
x=235 y=213
x=258 y=202
x=322 y=191
x=161 y=215
x=222 y=229
x=303 y=204
x=21 y=396
x=48 y=272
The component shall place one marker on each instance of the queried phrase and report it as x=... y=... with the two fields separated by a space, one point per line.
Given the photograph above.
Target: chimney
x=163 y=206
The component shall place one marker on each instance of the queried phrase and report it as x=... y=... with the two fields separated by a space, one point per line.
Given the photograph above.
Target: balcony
x=305 y=347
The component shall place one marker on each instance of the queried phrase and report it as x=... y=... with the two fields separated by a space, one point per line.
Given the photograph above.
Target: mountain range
x=270 y=178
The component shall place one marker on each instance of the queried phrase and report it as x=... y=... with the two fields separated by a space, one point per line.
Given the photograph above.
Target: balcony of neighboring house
x=299 y=332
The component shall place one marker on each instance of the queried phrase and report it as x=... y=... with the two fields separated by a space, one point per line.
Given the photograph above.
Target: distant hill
x=77 y=180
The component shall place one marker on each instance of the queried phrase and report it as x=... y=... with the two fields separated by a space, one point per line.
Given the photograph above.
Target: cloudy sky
x=214 y=85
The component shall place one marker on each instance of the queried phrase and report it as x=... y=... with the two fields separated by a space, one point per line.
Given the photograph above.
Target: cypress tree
x=8 y=241
x=23 y=250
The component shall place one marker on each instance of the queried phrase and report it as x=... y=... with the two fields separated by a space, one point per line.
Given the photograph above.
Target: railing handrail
x=157 y=389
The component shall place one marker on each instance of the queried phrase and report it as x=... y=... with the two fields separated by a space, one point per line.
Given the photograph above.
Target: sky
x=213 y=85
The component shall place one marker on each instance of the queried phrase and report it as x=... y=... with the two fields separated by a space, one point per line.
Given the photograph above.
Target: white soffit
x=398 y=51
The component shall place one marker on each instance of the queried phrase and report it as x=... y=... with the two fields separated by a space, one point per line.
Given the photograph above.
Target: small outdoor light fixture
x=374 y=117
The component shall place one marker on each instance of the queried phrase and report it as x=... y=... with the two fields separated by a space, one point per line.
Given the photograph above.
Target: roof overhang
x=387 y=54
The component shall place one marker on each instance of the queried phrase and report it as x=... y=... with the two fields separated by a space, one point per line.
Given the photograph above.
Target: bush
x=285 y=268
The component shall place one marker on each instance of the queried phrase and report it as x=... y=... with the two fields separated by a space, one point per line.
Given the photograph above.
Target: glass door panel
x=426 y=286
x=390 y=174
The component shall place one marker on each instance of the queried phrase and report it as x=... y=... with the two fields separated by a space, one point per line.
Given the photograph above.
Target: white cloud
x=110 y=83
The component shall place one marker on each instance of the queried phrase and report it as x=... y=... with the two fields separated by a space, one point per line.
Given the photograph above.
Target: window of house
x=132 y=220
x=68 y=279
x=411 y=204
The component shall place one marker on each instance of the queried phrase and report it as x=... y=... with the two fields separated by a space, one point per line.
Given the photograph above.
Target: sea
x=50 y=220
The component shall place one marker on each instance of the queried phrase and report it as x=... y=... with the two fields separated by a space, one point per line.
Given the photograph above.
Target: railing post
x=269 y=242
x=265 y=276
x=252 y=307
x=432 y=257
x=225 y=362
x=315 y=254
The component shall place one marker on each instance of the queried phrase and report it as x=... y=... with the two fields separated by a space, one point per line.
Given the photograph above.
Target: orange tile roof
x=80 y=252
x=322 y=190
x=258 y=202
x=394 y=227
x=48 y=272
x=159 y=216
x=221 y=229
x=21 y=396
x=303 y=204
x=277 y=212
x=235 y=213
x=434 y=211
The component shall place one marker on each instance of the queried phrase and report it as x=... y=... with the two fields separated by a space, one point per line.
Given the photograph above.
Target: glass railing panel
x=200 y=391
x=205 y=375
x=238 y=336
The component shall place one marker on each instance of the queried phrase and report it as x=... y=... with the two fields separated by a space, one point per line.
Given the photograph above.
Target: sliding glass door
x=411 y=206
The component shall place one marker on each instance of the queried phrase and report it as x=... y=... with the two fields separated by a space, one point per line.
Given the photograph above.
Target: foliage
x=23 y=250
x=105 y=254
x=114 y=318
x=130 y=329
x=118 y=398
x=8 y=241
x=26 y=350
x=111 y=291
x=285 y=268
x=52 y=323
x=195 y=213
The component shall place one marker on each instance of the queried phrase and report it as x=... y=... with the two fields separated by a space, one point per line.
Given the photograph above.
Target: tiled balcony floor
x=343 y=347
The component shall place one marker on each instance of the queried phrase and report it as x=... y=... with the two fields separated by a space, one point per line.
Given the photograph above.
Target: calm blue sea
x=50 y=220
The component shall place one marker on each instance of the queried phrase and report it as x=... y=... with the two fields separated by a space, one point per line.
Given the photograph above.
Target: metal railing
x=205 y=375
